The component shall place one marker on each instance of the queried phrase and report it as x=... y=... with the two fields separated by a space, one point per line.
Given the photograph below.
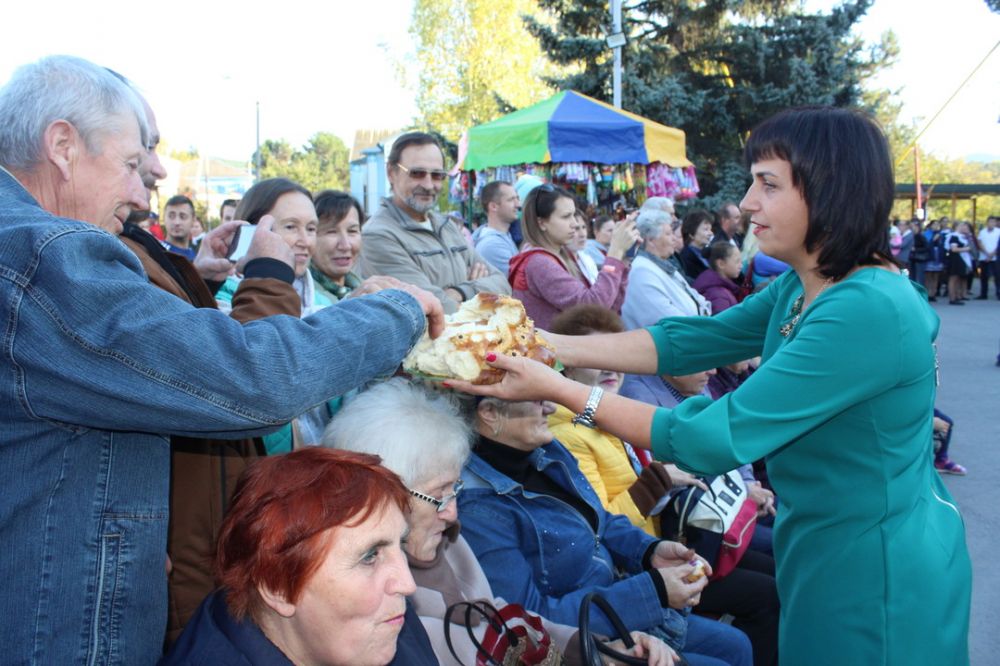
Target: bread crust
x=486 y=323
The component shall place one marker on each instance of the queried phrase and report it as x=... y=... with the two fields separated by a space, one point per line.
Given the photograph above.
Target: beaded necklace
x=796 y=311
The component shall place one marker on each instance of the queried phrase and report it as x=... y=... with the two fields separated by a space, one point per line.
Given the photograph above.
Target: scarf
x=668 y=267
x=663 y=264
x=338 y=291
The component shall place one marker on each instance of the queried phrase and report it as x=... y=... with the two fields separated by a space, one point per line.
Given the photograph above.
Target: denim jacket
x=543 y=554
x=97 y=368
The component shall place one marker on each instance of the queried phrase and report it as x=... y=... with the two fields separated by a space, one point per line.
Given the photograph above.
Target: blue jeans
x=710 y=643
x=762 y=540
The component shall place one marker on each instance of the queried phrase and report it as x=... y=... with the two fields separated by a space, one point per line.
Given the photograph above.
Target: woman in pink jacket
x=545 y=275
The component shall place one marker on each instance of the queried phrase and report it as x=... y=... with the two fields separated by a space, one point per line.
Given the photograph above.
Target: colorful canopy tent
x=571 y=127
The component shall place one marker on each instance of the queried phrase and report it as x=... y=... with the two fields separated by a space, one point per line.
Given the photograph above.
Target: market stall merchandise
x=601 y=153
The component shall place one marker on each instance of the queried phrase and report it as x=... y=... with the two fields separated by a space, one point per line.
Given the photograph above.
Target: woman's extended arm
x=530 y=380
x=632 y=351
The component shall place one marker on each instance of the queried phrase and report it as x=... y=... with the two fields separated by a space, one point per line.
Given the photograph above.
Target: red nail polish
x=491 y=357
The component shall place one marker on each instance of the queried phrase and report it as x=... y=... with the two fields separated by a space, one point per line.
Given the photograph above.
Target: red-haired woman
x=312 y=569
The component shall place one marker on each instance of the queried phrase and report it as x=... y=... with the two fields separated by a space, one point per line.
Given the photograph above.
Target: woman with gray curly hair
x=424 y=438
x=657 y=287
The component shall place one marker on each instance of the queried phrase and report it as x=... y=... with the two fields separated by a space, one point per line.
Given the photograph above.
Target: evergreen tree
x=715 y=68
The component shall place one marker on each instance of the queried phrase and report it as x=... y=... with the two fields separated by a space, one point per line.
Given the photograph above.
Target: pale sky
x=204 y=65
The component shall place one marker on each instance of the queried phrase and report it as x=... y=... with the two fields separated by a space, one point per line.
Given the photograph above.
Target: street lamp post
x=616 y=40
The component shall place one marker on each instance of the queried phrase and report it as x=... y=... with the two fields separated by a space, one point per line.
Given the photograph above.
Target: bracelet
x=586 y=417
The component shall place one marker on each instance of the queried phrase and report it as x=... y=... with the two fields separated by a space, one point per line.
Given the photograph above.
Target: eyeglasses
x=441 y=504
x=437 y=175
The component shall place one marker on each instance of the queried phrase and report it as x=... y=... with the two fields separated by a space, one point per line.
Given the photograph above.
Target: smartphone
x=634 y=250
x=241 y=242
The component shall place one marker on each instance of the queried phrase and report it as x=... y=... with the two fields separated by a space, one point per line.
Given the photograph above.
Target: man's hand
x=211 y=263
x=428 y=301
x=266 y=244
x=478 y=270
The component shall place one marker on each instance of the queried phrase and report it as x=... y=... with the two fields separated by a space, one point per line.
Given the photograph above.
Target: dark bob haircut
x=332 y=206
x=276 y=532
x=260 y=199
x=841 y=165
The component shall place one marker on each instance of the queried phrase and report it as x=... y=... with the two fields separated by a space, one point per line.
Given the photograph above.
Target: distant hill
x=983 y=157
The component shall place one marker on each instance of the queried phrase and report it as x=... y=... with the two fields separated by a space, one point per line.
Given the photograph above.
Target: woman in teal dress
x=872 y=566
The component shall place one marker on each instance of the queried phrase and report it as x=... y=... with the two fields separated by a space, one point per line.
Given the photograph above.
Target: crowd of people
x=946 y=256
x=211 y=461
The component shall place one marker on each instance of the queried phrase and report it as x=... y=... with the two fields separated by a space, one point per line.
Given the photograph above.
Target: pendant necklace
x=796 y=311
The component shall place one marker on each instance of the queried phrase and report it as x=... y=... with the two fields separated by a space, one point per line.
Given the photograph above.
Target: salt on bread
x=483 y=324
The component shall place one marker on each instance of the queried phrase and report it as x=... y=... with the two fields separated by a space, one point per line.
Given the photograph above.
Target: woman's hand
x=657 y=652
x=680 y=592
x=679 y=477
x=673 y=554
x=623 y=238
x=763 y=498
x=524 y=379
x=942 y=426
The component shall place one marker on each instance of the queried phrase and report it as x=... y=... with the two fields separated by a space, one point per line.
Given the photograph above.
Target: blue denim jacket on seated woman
x=540 y=552
x=97 y=368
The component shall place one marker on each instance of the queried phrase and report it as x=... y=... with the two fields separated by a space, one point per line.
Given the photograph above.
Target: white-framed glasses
x=442 y=503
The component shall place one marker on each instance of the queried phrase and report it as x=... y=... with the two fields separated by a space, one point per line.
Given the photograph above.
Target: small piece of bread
x=698 y=573
x=483 y=324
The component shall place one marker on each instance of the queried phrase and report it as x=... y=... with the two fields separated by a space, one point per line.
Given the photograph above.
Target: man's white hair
x=61 y=87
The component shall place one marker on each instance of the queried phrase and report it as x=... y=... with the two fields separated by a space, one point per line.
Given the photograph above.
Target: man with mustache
x=407 y=240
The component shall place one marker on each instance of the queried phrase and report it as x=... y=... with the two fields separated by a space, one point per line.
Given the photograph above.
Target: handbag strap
x=493 y=618
x=590 y=646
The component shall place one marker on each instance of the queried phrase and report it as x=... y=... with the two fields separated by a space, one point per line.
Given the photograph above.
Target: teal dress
x=872 y=566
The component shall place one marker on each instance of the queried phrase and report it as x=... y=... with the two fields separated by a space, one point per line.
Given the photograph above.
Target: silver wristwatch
x=590 y=409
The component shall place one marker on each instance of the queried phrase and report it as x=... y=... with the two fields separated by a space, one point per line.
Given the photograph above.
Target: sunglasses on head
x=437 y=175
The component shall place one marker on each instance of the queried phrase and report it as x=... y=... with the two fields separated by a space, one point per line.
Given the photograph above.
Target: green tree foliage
x=321 y=164
x=933 y=170
x=476 y=61
x=715 y=68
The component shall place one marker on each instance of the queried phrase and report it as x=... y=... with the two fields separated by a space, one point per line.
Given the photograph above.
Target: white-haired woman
x=425 y=440
x=656 y=288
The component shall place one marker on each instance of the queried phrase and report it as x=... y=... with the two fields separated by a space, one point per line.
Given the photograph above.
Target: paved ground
x=970 y=393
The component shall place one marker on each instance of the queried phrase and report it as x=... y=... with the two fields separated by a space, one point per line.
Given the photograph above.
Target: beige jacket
x=395 y=245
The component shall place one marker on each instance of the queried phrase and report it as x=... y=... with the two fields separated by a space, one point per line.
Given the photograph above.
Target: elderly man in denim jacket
x=88 y=392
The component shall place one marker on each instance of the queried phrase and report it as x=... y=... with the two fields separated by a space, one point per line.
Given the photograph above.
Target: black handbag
x=591 y=647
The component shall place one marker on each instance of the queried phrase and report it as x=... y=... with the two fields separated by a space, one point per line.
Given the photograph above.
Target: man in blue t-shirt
x=493 y=240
